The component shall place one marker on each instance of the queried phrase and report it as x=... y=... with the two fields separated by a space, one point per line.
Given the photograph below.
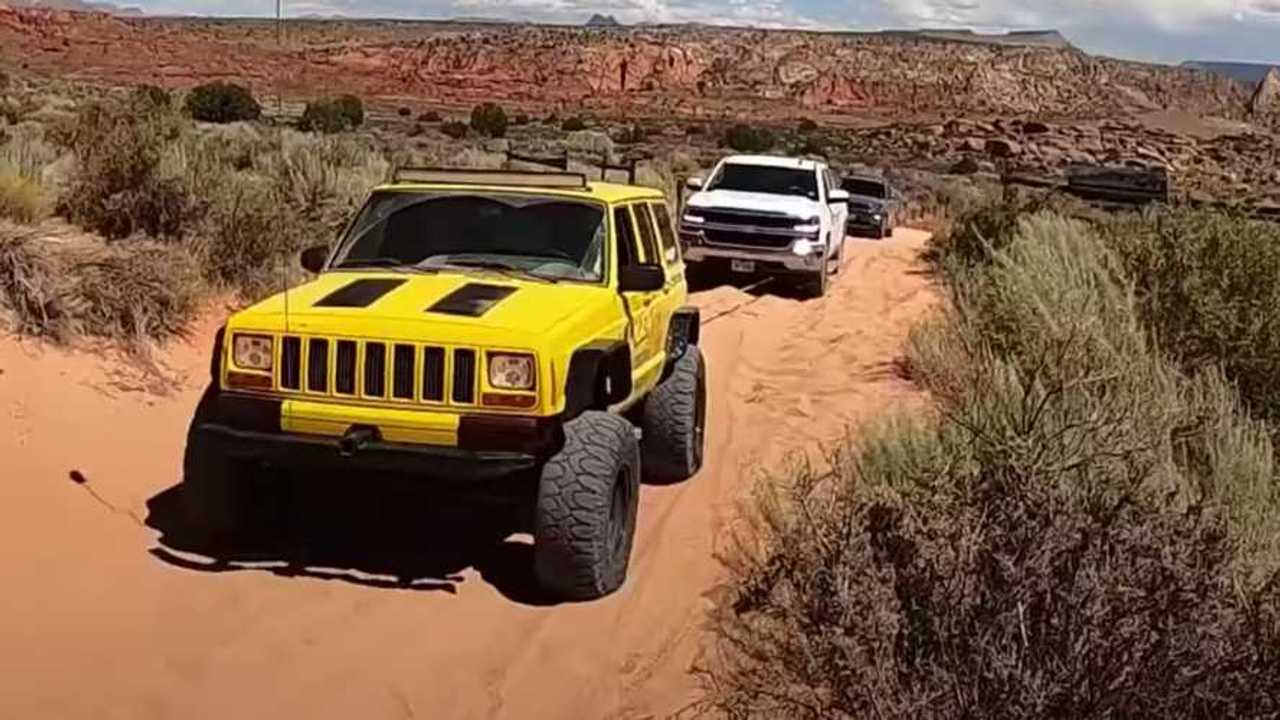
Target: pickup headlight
x=253 y=352
x=509 y=371
x=693 y=219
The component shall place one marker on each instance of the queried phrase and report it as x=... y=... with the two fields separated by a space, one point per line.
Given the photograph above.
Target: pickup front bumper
x=798 y=257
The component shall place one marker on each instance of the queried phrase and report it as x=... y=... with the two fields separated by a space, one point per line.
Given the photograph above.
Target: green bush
x=404 y=112
x=489 y=119
x=573 y=124
x=22 y=198
x=806 y=126
x=222 y=102
x=332 y=115
x=454 y=128
x=744 y=138
x=1083 y=531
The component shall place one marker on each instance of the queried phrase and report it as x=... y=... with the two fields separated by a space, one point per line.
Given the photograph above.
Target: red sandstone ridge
x=657 y=71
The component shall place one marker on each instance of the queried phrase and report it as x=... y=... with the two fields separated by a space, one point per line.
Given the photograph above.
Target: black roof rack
x=458 y=176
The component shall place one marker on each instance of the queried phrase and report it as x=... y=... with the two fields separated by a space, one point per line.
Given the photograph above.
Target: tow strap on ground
x=753 y=286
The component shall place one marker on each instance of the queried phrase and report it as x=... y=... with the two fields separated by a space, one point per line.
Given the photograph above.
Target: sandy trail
x=100 y=619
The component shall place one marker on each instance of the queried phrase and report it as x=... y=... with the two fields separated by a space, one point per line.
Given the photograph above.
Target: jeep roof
x=503 y=181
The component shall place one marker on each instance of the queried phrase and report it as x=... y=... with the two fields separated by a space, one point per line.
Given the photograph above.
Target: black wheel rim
x=619 y=509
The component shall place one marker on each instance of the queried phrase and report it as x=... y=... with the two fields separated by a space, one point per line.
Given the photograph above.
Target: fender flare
x=599 y=375
x=685 y=329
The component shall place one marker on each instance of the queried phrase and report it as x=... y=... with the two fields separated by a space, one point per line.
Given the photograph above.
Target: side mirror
x=693 y=183
x=640 y=278
x=838 y=196
x=313 y=258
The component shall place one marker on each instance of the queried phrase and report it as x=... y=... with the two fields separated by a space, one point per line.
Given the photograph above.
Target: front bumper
x=806 y=258
x=318 y=453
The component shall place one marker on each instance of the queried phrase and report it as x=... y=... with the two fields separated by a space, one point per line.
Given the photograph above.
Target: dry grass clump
x=58 y=284
x=22 y=198
x=1085 y=531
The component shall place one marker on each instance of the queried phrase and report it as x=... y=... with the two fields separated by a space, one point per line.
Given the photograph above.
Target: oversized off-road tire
x=674 y=421
x=223 y=498
x=585 y=518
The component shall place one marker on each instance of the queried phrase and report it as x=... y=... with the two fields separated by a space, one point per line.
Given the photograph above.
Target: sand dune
x=107 y=611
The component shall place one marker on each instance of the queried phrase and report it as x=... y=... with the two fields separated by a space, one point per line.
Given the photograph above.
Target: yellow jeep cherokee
x=479 y=329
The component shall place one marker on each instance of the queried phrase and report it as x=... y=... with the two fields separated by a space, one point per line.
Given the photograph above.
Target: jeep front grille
x=412 y=373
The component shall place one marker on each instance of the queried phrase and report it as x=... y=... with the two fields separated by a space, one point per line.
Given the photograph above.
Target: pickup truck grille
x=735 y=237
x=736 y=217
x=403 y=372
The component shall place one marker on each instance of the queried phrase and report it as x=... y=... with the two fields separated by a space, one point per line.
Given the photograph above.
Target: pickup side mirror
x=640 y=278
x=838 y=196
x=313 y=258
x=693 y=183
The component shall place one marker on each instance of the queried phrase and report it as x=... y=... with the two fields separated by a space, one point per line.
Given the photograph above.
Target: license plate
x=745 y=266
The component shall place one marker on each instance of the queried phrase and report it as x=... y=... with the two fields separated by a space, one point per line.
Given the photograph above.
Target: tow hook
x=356 y=438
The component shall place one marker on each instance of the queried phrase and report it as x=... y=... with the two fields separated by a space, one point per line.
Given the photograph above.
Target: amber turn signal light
x=508 y=400
x=248 y=381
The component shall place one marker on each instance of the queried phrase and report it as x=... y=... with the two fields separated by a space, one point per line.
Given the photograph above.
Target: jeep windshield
x=549 y=238
x=766 y=179
x=866 y=188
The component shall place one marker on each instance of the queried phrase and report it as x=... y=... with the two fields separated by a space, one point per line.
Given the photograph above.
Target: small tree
x=332 y=115
x=745 y=138
x=573 y=124
x=489 y=119
x=221 y=102
x=352 y=109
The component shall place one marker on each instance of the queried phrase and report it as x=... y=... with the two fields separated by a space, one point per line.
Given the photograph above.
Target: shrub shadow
x=387 y=534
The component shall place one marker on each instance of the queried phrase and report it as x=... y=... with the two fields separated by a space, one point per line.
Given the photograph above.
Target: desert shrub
x=329 y=115
x=631 y=134
x=489 y=119
x=152 y=95
x=133 y=291
x=27 y=148
x=352 y=108
x=117 y=190
x=695 y=129
x=247 y=234
x=455 y=129
x=22 y=198
x=404 y=112
x=806 y=125
x=573 y=124
x=222 y=102
x=1208 y=286
x=430 y=116
x=323 y=178
x=745 y=138
x=1082 y=530
x=521 y=119
x=28 y=278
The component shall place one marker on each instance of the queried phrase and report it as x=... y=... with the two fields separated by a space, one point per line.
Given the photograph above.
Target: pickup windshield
x=548 y=237
x=866 y=188
x=766 y=179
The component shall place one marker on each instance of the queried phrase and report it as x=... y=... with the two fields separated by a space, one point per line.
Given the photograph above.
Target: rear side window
x=627 y=254
x=647 y=238
x=667 y=233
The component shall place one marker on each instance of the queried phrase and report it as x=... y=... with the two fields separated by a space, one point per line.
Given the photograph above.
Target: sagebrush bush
x=22 y=198
x=1083 y=531
x=745 y=138
x=455 y=129
x=573 y=124
x=117 y=189
x=222 y=102
x=28 y=279
x=489 y=119
x=1208 y=285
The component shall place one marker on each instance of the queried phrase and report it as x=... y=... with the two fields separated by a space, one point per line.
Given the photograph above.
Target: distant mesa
x=1024 y=38
x=74 y=5
x=1248 y=73
x=603 y=21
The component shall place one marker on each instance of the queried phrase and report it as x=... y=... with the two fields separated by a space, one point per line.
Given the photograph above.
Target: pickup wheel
x=585 y=518
x=816 y=285
x=674 y=421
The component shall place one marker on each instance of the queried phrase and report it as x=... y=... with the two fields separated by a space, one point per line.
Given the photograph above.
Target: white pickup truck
x=767 y=215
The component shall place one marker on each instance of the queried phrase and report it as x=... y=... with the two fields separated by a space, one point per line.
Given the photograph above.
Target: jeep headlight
x=253 y=352
x=511 y=371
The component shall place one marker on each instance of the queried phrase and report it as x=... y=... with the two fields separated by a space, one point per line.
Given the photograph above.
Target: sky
x=1156 y=30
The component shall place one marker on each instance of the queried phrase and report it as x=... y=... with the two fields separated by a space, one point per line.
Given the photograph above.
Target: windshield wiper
x=504 y=268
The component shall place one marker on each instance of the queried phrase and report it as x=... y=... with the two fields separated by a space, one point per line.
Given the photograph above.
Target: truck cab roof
x=775 y=161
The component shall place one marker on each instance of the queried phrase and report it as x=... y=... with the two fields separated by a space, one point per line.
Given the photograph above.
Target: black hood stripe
x=472 y=299
x=360 y=294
